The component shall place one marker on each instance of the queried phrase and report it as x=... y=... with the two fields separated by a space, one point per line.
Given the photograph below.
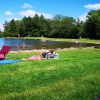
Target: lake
x=26 y=44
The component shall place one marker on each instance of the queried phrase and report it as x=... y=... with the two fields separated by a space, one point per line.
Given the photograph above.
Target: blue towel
x=8 y=61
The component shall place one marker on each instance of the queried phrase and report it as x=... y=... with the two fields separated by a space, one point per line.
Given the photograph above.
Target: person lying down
x=45 y=55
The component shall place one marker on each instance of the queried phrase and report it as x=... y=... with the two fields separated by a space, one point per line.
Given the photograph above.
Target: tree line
x=57 y=27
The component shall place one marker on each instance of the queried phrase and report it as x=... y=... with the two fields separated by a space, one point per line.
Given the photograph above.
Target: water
x=25 y=44
x=1 y=42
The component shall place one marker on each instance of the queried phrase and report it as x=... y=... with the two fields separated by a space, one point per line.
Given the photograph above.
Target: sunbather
x=49 y=54
x=45 y=55
x=35 y=57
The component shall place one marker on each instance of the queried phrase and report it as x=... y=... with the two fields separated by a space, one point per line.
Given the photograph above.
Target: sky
x=17 y=9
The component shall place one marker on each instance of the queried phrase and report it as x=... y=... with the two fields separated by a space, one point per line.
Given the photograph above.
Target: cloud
x=83 y=17
x=32 y=13
x=93 y=6
x=8 y=13
x=1 y=27
x=89 y=6
x=26 y=5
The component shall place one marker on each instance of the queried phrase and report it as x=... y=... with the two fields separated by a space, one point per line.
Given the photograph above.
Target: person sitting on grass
x=49 y=54
x=45 y=55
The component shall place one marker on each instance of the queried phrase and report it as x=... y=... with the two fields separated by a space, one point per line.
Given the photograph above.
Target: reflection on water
x=1 y=42
x=19 y=46
x=22 y=44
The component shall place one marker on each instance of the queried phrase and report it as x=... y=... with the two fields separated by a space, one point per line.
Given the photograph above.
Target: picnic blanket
x=8 y=61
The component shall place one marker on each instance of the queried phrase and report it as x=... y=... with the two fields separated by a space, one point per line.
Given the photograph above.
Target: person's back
x=44 y=54
x=49 y=54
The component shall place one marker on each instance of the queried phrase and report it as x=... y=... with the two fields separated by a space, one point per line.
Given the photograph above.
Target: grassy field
x=74 y=76
x=64 y=39
x=74 y=40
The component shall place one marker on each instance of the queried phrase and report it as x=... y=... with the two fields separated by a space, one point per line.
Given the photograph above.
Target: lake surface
x=25 y=44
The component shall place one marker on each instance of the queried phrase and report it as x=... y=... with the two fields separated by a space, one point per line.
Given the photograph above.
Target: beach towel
x=8 y=61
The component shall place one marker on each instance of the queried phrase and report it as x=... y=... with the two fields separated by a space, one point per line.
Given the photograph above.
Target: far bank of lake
x=29 y=43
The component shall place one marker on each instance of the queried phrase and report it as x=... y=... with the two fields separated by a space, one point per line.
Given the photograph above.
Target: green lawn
x=64 y=39
x=74 y=40
x=74 y=76
x=67 y=40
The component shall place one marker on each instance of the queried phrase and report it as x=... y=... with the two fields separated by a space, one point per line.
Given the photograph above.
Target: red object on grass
x=4 y=51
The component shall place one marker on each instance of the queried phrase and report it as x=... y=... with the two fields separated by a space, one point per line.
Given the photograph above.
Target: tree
x=12 y=27
x=80 y=28
x=92 y=25
x=27 y=25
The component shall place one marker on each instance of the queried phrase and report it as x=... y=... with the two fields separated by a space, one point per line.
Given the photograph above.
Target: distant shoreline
x=82 y=40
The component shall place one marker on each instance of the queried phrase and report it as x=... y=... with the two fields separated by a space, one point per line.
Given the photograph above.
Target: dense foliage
x=92 y=25
x=58 y=27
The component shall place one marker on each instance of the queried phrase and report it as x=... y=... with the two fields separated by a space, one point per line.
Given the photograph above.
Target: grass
x=67 y=40
x=64 y=39
x=74 y=76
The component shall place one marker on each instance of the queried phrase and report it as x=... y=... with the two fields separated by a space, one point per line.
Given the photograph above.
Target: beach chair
x=4 y=51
